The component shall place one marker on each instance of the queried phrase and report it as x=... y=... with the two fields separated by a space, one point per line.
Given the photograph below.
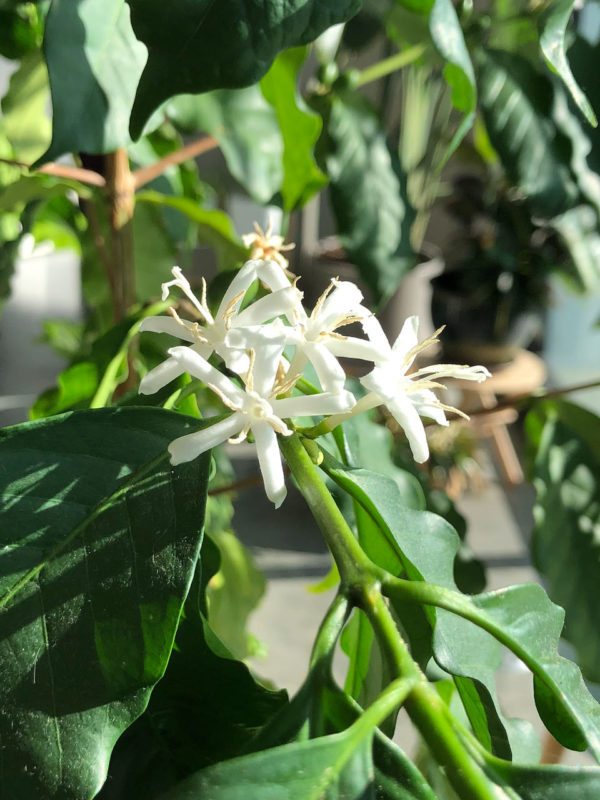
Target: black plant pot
x=483 y=324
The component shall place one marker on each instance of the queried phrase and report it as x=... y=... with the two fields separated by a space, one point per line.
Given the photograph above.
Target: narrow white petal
x=189 y=447
x=407 y=338
x=268 y=353
x=382 y=381
x=340 y=302
x=329 y=371
x=236 y=360
x=407 y=417
x=314 y=404
x=352 y=347
x=376 y=336
x=199 y=367
x=269 y=460
x=272 y=275
x=241 y=281
x=166 y=325
x=158 y=377
x=297 y=363
x=427 y=405
x=283 y=301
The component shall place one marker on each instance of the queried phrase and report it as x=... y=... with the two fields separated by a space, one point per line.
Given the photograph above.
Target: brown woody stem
x=144 y=175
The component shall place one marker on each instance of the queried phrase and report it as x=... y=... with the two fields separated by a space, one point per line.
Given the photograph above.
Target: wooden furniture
x=523 y=375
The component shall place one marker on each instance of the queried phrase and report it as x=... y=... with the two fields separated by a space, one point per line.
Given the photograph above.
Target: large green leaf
x=205 y=709
x=99 y=542
x=94 y=62
x=90 y=381
x=25 y=121
x=426 y=546
x=199 y=45
x=336 y=766
x=553 y=27
x=21 y=27
x=447 y=36
x=547 y=782
x=449 y=41
x=566 y=537
x=37 y=187
x=214 y=227
x=299 y=127
x=580 y=232
x=245 y=126
x=367 y=191
x=516 y=105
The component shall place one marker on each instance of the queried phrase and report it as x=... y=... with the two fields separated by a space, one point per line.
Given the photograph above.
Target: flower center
x=259 y=408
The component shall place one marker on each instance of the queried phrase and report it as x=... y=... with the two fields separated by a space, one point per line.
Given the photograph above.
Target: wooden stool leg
x=509 y=462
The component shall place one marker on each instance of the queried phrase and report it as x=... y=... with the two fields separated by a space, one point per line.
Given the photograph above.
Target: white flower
x=409 y=396
x=316 y=338
x=216 y=334
x=256 y=409
x=267 y=245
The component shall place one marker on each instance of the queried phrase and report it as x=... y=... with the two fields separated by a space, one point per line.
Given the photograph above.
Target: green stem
x=432 y=595
x=329 y=632
x=354 y=566
x=322 y=656
x=361 y=582
x=391 y=64
x=427 y=710
x=392 y=697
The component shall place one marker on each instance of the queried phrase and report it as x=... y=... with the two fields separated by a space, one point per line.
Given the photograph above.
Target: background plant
x=103 y=559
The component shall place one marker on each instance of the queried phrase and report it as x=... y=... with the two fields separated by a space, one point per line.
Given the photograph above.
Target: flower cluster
x=251 y=340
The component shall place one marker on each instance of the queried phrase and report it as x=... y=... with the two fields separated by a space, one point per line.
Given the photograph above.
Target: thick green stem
x=391 y=64
x=322 y=656
x=329 y=632
x=361 y=584
x=354 y=566
x=427 y=711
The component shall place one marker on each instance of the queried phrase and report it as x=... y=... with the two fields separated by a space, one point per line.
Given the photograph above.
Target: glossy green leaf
x=516 y=104
x=300 y=129
x=225 y=45
x=579 y=229
x=205 y=709
x=396 y=777
x=426 y=546
x=38 y=187
x=214 y=227
x=553 y=28
x=246 y=127
x=91 y=381
x=370 y=444
x=94 y=63
x=335 y=766
x=234 y=593
x=367 y=192
x=368 y=670
x=25 y=121
x=565 y=542
x=547 y=782
x=567 y=708
x=21 y=28
x=100 y=537
x=447 y=36
x=154 y=250
x=417 y=6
